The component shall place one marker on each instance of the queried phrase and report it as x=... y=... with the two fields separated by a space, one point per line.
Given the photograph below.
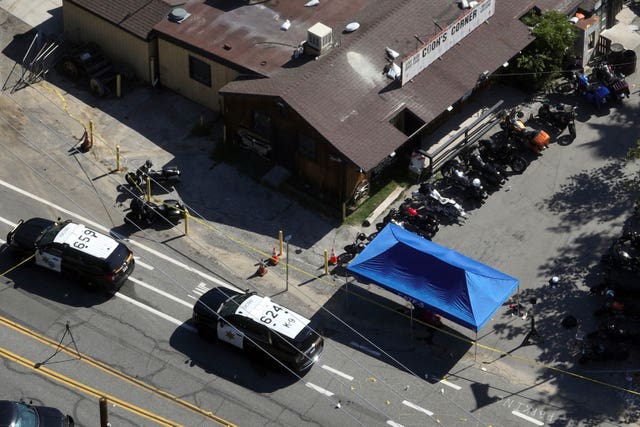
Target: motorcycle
x=490 y=172
x=596 y=93
x=470 y=186
x=514 y=128
x=168 y=174
x=436 y=203
x=504 y=153
x=615 y=82
x=559 y=115
x=146 y=213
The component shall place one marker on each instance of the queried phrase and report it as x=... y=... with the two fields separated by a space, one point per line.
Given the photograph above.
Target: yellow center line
x=85 y=388
x=111 y=371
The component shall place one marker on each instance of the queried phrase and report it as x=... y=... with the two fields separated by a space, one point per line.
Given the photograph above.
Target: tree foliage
x=543 y=59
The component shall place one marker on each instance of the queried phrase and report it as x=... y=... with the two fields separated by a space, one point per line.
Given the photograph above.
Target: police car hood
x=26 y=234
x=92 y=243
x=276 y=317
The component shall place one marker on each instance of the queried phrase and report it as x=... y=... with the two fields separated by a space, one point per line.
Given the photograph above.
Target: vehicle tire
x=518 y=164
x=361 y=190
x=70 y=69
x=572 y=129
x=206 y=333
x=132 y=179
x=97 y=87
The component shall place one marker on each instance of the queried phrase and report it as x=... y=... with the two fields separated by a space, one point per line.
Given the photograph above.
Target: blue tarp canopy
x=432 y=276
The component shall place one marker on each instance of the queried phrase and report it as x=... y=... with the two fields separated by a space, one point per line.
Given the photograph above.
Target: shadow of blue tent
x=434 y=277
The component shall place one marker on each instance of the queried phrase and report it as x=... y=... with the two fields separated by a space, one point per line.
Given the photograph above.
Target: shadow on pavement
x=383 y=329
x=222 y=360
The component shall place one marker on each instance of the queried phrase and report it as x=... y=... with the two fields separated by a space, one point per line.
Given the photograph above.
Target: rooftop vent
x=319 y=39
x=178 y=15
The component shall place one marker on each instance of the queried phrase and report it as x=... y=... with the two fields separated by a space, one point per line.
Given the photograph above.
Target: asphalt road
x=137 y=347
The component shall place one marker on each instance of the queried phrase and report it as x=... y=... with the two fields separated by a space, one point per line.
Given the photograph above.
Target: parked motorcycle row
x=467 y=180
x=603 y=86
x=146 y=213
x=619 y=328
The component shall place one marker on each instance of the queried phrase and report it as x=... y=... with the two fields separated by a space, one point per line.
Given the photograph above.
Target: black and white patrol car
x=74 y=250
x=258 y=326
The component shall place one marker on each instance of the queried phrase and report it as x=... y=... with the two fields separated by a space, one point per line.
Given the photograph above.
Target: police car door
x=49 y=257
x=229 y=334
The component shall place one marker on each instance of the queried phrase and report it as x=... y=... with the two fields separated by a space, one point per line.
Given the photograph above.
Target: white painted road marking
x=416 y=407
x=452 y=385
x=9 y=223
x=319 y=389
x=97 y=226
x=156 y=312
x=367 y=349
x=335 y=371
x=142 y=264
x=161 y=292
x=394 y=424
x=528 y=418
x=201 y=288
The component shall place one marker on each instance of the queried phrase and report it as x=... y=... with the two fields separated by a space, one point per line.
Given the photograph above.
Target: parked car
x=258 y=326
x=72 y=249
x=21 y=414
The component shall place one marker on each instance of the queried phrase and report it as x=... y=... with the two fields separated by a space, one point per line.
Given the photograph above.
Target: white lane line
x=335 y=371
x=142 y=264
x=161 y=292
x=9 y=223
x=201 y=289
x=156 y=312
x=97 y=226
x=452 y=385
x=528 y=418
x=319 y=389
x=416 y=407
x=394 y=424
x=365 y=348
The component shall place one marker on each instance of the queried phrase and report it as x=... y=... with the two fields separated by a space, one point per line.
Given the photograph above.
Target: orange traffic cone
x=262 y=269
x=333 y=259
x=274 y=257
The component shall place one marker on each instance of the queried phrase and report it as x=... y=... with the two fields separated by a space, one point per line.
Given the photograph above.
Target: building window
x=592 y=40
x=200 y=71
x=306 y=147
x=261 y=123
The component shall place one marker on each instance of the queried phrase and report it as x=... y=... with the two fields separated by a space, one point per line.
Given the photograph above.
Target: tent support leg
x=411 y=324
x=346 y=294
x=475 y=348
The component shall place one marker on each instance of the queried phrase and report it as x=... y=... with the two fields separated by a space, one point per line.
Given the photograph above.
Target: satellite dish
x=351 y=27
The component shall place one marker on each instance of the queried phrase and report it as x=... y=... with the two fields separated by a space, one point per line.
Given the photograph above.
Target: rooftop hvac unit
x=319 y=39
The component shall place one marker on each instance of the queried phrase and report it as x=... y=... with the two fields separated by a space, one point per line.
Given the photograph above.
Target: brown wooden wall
x=117 y=44
x=332 y=178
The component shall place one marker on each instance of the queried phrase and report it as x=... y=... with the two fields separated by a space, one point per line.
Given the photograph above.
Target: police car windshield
x=232 y=304
x=50 y=233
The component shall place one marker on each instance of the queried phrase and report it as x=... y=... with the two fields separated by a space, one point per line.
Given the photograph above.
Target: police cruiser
x=74 y=250
x=259 y=326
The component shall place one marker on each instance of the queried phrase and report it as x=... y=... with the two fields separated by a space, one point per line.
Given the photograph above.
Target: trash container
x=628 y=63
x=615 y=55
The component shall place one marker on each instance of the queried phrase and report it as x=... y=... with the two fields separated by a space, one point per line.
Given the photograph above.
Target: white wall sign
x=446 y=39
